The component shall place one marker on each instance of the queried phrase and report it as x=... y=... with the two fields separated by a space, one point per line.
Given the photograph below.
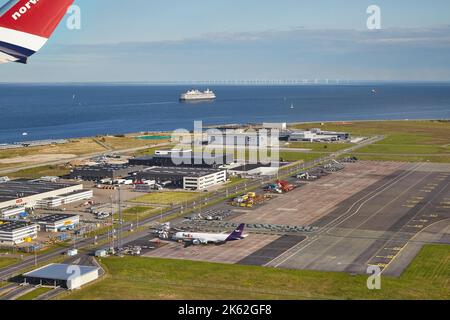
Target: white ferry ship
x=197 y=95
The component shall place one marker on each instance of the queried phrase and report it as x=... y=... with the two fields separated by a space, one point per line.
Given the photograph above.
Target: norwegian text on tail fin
x=26 y=25
x=237 y=234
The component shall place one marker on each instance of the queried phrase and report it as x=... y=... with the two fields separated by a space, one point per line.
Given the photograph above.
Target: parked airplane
x=192 y=238
x=26 y=25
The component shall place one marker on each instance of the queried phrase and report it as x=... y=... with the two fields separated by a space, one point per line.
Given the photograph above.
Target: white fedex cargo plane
x=194 y=238
x=26 y=25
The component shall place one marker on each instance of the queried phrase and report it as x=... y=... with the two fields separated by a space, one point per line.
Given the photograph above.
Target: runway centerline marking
x=370 y=194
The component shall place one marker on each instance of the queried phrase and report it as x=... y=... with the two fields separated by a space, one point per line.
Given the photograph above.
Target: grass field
x=428 y=277
x=39 y=172
x=140 y=212
x=34 y=294
x=75 y=147
x=318 y=147
x=168 y=197
x=150 y=151
x=126 y=142
x=405 y=140
x=4 y=262
x=296 y=156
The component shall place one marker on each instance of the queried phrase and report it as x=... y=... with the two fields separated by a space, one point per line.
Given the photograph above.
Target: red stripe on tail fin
x=38 y=17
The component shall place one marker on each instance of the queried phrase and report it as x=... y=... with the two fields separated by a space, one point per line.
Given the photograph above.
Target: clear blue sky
x=149 y=40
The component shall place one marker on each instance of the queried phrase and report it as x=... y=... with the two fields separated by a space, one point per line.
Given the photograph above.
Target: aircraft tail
x=26 y=25
x=237 y=234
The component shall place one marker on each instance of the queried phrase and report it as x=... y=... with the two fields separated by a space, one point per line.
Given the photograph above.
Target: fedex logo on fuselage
x=22 y=10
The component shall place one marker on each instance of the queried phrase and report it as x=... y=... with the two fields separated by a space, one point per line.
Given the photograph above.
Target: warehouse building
x=317 y=135
x=186 y=178
x=185 y=158
x=62 y=275
x=57 y=222
x=54 y=202
x=27 y=193
x=14 y=232
x=103 y=171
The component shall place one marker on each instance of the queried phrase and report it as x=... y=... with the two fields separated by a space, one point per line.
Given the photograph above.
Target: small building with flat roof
x=14 y=212
x=14 y=232
x=57 y=222
x=62 y=275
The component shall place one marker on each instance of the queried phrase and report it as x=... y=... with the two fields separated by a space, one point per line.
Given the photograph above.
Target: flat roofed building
x=57 y=222
x=67 y=276
x=67 y=198
x=317 y=135
x=98 y=172
x=28 y=192
x=186 y=178
x=15 y=232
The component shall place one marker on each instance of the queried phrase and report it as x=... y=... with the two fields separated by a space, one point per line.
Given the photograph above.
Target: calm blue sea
x=65 y=111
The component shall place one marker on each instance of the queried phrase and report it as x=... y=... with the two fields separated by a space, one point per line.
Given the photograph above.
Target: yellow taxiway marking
x=394 y=248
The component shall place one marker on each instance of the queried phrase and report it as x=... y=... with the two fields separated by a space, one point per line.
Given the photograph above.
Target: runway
x=374 y=226
x=272 y=250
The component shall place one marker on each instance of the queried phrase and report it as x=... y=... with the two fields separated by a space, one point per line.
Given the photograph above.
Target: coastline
x=20 y=144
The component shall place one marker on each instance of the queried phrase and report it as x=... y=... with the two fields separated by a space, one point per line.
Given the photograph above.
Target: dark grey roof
x=55 y=217
x=182 y=171
x=11 y=225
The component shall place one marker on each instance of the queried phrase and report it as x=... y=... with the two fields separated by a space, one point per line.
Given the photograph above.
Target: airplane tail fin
x=237 y=234
x=26 y=25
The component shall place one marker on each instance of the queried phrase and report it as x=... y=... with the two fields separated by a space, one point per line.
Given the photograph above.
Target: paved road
x=17 y=292
x=50 y=294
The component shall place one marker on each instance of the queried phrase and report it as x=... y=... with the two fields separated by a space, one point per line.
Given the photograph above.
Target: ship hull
x=197 y=98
